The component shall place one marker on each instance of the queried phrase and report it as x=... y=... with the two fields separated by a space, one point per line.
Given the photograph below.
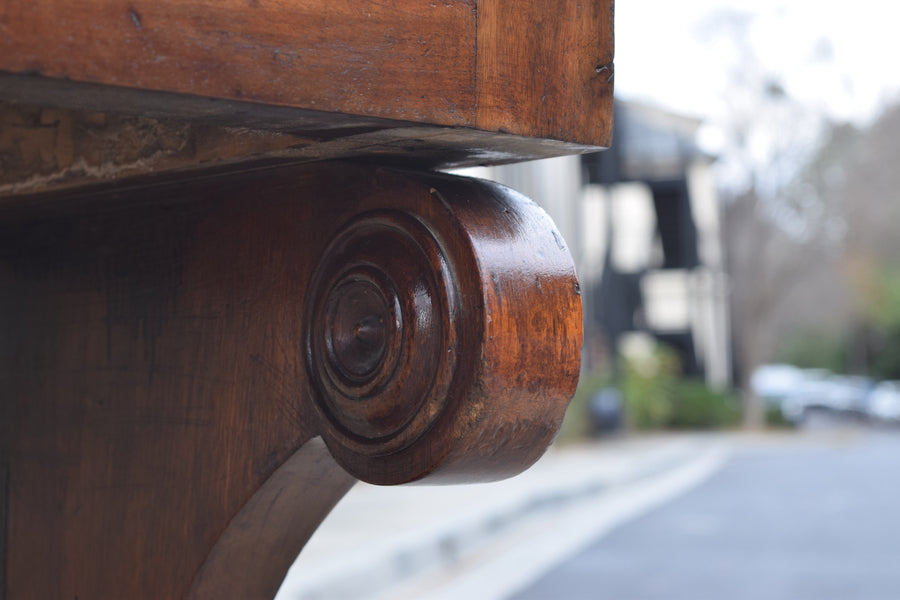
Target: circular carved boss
x=381 y=331
x=442 y=332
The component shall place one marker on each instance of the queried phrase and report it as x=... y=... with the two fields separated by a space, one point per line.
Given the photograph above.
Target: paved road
x=815 y=516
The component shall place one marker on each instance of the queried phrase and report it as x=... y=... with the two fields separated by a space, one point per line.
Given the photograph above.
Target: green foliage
x=647 y=388
x=880 y=288
x=655 y=397
x=695 y=405
x=775 y=418
x=814 y=350
x=871 y=345
x=885 y=353
x=881 y=329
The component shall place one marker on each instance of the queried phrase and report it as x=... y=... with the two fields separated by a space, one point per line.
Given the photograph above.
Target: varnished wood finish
x=261 y=542
x=411 y=60
x=539 y=70
x=545 y=69
x=171 y=351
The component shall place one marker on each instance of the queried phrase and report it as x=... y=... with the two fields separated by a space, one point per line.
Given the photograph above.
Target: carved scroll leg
x=172 y=350
x=443 y=333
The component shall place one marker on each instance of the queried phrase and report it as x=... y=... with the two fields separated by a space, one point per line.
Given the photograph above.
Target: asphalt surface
x=814 y=516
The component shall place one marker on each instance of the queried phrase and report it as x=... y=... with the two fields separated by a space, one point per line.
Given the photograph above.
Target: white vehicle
x=809 y=394
x=774 y=383
x=884 y=402
x=823 y=391
x=849 y=394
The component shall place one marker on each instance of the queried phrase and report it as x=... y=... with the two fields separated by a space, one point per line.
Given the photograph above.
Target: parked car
x=849 y=394
x=823 y=391
x=809 y=394
x=773 y=383
x=884 y=402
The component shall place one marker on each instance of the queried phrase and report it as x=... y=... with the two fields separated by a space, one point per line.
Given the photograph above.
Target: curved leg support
x=253 y=554
x=172 y=350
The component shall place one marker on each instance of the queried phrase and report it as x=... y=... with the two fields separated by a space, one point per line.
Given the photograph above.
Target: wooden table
x=232 y=281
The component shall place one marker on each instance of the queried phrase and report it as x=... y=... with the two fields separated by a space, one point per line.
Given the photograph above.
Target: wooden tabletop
x=435 y=84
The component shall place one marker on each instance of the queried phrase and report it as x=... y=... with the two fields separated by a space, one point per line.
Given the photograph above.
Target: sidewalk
x=492 y=539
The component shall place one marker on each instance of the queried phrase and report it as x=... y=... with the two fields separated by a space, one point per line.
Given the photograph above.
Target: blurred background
x=745 y=213
x=740 y=270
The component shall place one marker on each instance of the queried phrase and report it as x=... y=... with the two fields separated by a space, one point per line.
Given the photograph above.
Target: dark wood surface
x=175 y=356
x=535 y=77
x=405 y=60
x=545 y=69
x=196 y=364
x=45 y=148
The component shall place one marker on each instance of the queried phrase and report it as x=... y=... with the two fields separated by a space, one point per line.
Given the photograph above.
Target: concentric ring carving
x=381 y=330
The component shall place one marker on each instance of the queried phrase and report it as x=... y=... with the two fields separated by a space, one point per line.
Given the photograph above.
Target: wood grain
x=171 y=348
x=538 y=70
x=261 y=542
x=335 y=55
x=52 y=149
x=545 y=69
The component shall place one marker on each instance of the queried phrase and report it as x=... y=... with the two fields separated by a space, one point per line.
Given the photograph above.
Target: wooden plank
x=533 y=69
x=403 y=60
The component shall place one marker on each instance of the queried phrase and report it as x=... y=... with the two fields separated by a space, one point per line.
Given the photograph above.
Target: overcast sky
x=838 y=56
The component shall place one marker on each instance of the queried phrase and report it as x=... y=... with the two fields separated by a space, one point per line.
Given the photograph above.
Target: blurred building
x=642 y=222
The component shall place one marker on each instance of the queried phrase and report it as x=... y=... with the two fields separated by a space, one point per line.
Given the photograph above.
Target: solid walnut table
x=231 y=282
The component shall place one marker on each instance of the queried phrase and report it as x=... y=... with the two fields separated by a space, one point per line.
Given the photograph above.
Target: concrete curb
x=384 y=559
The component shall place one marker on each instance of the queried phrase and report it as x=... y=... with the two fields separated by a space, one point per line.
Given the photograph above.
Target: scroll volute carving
x=172 y=350
x=442 y=338
x=443 y=332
